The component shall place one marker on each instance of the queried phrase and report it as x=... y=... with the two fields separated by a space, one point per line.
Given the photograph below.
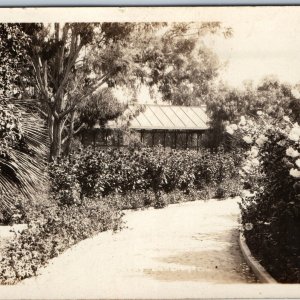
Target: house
x=178 y=127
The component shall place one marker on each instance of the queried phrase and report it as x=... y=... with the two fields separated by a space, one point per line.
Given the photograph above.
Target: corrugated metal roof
x=168 y=117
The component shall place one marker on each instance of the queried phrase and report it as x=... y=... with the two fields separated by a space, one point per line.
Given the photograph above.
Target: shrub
x=51 y=230
x=271 y=216
x=17 y=214
x=229 y=188
x=65 y=188
x=88 y=190
x=103 y=172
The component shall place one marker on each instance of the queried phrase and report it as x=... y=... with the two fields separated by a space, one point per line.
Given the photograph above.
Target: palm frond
x=22 y=163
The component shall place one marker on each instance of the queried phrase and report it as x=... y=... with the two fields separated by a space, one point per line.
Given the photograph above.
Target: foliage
x=51 y=230
x=17 y=213
x=22 y=153
x=71 y=61
x=180 y=65
x=15 y=69
x=99 y=108
x=228 y=188
x=226 y=105
x=89 y=189
x=271 y=215
x=65 y=187
x=104 y=172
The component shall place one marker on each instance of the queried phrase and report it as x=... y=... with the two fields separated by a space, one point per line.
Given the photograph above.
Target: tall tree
x=72 y=61
x=227 y=105
x=66 y=70
x=180 y=65
x=270 y=95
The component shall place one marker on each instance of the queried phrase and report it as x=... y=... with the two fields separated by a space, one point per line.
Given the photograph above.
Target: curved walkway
x=161 y=253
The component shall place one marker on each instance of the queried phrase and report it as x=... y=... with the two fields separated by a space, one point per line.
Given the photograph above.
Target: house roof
x=167 y=117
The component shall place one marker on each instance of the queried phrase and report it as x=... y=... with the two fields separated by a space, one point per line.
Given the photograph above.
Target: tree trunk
x=55 y=147
x=50 y=126
x=71 y=134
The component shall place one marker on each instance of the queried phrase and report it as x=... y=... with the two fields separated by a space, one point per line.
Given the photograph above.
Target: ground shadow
x=216 y=266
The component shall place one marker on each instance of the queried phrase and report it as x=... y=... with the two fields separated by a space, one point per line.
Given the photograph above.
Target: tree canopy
x=101 y=107
x=270 y=95
x=70 y=62
x=180 y=65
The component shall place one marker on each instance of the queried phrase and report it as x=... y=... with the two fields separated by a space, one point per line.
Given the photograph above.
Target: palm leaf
x=22 y=167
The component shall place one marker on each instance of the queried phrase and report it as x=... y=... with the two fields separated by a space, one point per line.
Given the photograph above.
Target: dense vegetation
x=90 y=188
x=67 y=73
x=51 y=230
x=99 y=173
x=271 y=216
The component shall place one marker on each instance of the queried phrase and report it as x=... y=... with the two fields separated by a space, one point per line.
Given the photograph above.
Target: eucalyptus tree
x=64 y=75
x=179 y=63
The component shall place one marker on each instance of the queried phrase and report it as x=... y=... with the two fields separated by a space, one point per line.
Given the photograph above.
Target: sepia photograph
x=150 y=152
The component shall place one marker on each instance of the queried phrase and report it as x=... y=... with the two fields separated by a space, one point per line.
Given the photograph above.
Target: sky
x=262 y=44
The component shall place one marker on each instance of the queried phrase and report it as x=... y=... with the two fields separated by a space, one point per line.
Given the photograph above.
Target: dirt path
x=164 y=253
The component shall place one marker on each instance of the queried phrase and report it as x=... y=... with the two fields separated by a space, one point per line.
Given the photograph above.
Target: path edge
x=259 y=271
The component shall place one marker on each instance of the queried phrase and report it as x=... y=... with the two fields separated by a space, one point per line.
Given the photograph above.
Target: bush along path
x=159 y=252
x=89 y=190
x=271 y=216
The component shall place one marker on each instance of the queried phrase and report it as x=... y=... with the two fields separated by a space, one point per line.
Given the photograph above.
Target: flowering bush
x=271 y=215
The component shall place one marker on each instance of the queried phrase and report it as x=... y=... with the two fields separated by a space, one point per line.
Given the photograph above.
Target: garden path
x=170 y=252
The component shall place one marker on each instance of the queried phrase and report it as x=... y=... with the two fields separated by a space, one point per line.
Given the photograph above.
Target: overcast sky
x=263 y=43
